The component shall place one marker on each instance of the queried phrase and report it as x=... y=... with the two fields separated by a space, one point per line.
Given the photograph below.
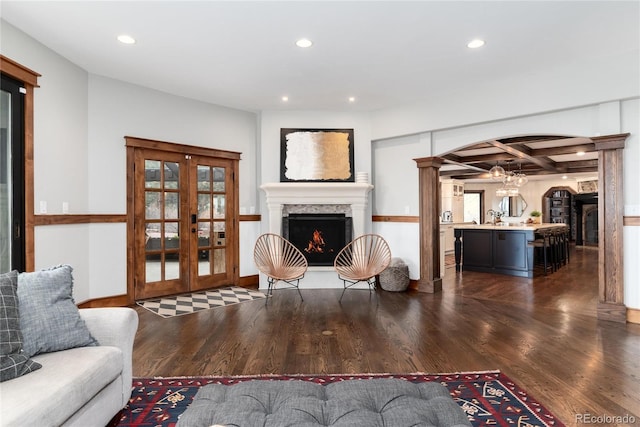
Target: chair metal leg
x=298 y=289
x=272 y=284
x=371 y=283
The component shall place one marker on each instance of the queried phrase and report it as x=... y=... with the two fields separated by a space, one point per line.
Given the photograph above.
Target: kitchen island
x=501 y=249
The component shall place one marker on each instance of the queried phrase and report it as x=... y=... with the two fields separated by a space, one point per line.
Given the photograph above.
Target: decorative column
x=358 y=211
x=429 y=187
x=275 y=217
x=610 y=227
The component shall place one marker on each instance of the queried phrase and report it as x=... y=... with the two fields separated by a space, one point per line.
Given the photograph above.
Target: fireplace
x=318 y=236
x=286 y=199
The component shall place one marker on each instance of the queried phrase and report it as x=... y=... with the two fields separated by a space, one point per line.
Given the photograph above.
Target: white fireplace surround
x=352 y=194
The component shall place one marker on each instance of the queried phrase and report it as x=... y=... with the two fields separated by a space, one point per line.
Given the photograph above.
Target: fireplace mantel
x=355 y=194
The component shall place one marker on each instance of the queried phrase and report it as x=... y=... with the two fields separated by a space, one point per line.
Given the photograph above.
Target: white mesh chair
x=362 y=260
x=280 y=261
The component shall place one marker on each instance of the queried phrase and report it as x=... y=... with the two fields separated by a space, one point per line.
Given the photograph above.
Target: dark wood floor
x=542 y=333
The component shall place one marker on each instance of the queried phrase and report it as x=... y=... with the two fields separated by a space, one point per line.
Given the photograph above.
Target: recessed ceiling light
x=126 y=39
x=304 y=43
x=474 y=44
x=580 y=153
x=564 y=177
x=352 y=99
x=285 y=98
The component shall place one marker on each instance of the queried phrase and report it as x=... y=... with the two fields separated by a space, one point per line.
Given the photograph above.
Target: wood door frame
x=30 y=80
x=132 y=143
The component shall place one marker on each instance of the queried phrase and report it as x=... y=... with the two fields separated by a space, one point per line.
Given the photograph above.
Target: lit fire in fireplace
x=316 y=245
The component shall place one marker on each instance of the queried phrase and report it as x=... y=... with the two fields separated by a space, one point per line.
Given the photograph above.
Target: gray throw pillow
x=13 y=361
x=49 y=318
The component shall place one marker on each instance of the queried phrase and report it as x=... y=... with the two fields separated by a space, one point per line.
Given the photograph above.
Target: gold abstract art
x=317 y=155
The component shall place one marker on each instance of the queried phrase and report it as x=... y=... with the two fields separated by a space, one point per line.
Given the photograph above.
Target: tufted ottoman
x=368 y=403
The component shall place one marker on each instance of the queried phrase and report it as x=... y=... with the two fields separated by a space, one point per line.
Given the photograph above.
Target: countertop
x=509 y=226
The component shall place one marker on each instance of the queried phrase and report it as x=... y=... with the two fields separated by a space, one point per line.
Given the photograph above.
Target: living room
x=82 y=117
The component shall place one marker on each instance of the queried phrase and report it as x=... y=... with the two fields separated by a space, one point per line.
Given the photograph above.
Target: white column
x=358 y=211
x=275 y=218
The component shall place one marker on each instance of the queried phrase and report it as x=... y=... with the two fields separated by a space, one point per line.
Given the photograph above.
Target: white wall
x=390 y=156
x=565 y=86
x=118 y=109
x=630 y=122
x=60 y=133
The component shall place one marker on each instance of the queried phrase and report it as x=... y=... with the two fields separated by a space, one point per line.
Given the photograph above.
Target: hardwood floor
x=542 y=333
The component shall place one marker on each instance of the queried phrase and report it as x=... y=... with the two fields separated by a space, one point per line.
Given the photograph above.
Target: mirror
x=513 y=205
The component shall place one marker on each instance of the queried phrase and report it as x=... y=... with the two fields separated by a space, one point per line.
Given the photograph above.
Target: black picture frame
x=330 y=151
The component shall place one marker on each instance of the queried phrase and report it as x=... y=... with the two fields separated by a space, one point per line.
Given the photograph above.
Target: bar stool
x=561 y=240
x=556 y=248
x=542 y=244
x=567 y=242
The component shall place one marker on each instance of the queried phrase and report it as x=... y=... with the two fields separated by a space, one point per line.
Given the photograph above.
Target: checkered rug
x=197 y=301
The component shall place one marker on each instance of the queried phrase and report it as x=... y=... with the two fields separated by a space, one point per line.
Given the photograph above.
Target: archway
x=610 y=219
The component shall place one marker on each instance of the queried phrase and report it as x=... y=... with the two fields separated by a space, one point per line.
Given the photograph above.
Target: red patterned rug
x=488 y=398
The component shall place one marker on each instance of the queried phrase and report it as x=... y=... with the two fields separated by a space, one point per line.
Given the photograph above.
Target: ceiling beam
x=465 y=165
x=569 y=149
x=520 y=154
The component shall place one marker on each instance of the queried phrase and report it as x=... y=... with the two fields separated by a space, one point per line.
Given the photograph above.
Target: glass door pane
x=5 y=182
x=162 y=215
x=12 y=180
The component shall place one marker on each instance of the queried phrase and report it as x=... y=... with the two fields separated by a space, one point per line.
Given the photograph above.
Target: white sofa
x=84 y=386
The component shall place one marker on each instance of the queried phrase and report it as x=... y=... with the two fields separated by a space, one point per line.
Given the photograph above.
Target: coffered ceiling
x=534 y=155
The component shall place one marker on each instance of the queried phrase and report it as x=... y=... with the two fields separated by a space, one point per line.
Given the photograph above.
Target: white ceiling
x=242 y=54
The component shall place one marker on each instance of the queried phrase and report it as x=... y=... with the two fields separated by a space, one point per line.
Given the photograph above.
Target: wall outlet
x=65 y=207
x=43 y=206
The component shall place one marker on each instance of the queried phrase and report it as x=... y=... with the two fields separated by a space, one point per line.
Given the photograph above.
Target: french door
x=185 y=222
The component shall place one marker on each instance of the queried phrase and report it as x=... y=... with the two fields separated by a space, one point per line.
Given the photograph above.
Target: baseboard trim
x=249 y=281
x=612 y=312
x=633 y=315
x=413 y=285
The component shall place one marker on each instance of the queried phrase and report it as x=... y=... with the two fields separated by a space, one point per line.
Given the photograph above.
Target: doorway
x=185 y=219
x=12 y=176
x=474 y=206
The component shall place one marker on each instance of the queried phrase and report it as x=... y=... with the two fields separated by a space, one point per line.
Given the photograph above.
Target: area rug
x=488 y=398
x=197 y=301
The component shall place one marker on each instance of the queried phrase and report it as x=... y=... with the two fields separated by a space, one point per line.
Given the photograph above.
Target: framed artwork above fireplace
x=316 y=155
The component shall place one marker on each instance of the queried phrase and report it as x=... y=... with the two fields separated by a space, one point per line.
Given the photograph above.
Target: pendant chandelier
x=511 y=181
x=496 y=172
x=521 y=178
